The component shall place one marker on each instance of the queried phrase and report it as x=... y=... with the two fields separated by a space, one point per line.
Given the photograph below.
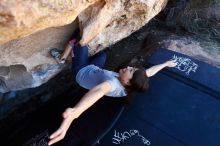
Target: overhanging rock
x=30 y=28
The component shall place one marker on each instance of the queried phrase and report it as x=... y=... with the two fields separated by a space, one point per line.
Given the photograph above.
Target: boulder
x=114 y=20
x=30 y=28
x=20 y=18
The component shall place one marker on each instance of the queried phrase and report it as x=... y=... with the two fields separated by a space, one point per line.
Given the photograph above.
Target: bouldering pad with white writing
x=181 y=107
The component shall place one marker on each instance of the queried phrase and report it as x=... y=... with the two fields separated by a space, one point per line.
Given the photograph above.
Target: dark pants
x=81 y=59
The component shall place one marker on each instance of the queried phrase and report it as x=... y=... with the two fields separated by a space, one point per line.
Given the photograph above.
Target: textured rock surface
x=26 y=62
x=19 y=18
x=102 y=23
x=116 y=20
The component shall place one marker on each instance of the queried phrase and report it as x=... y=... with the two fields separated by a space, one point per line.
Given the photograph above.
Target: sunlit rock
x=20 y=18
x=30 y=28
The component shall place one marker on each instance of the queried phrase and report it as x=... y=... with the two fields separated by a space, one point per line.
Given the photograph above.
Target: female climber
x=88 y=73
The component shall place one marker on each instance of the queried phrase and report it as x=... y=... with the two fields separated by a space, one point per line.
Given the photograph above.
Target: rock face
x=114 y=20
x=20 y=18
x=26 y=62
x=30 y=28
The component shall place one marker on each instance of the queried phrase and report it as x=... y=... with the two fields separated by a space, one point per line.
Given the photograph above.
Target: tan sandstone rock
x=19 y=18
x=116 y=20
x=26 y=41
